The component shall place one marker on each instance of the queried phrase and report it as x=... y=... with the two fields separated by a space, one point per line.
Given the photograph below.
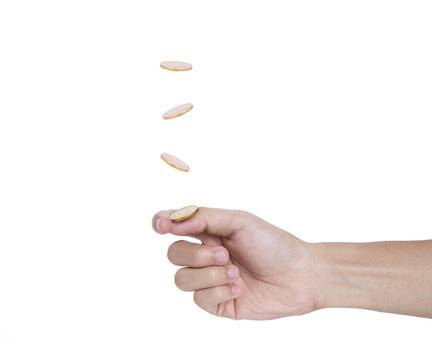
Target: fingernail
x=157 y=224
x=219 y=256
x=235 y=290
x=232 y=272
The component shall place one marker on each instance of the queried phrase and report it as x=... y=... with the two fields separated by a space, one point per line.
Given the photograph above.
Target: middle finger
x=191 y=279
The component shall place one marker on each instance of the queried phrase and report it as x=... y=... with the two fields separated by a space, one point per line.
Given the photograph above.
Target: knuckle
x=179 y=279
x=173 y=251
x=202 y=224
x=196 y=298
x=244 y=214
x=218 y=292
x=224 y=250
x=213 y=275
x=196 y=256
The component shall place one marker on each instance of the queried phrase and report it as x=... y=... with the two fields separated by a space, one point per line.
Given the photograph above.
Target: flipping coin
x=184 y=213
x=175 y=65
x=175 y=162
x=177 y=111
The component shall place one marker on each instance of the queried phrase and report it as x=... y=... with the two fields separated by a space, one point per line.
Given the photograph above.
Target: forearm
x=393 y=276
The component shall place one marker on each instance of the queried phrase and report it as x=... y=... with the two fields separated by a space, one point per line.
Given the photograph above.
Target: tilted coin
x=177 y=111
x=175 y=162
x=184 y=213
x=176 y=65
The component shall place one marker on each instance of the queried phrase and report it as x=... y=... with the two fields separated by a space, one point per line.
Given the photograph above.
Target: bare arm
x=391 y=276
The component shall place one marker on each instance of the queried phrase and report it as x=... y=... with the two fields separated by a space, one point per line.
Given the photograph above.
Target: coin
x=184 y=213
x=176 y=65
x=175 y=162
x=177 y=111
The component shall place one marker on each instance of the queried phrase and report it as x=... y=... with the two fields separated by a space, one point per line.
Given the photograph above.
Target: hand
x=245 y=268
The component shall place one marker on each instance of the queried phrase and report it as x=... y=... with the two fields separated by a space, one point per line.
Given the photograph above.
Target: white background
x=315 y=115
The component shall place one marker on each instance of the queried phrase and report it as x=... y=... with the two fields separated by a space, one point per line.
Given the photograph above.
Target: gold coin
x=177 y=111
x=184 y=213
x=176 y=65
x=175 y=162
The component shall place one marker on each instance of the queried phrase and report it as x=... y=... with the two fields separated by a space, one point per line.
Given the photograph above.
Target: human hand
x=245 y=268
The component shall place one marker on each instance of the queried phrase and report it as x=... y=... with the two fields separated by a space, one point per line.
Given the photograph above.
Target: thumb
x=219 y=222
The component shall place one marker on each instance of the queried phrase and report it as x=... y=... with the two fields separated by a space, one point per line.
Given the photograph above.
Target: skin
x=246 y=268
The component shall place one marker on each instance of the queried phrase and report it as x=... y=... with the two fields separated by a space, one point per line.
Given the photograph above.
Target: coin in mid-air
x=176 y=65
x=177 y=111
x=184 y=213
x=175 y=162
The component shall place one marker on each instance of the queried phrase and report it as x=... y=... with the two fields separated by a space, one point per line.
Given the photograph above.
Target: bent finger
x=209 y=299
x=191 y=279
x=185 y=253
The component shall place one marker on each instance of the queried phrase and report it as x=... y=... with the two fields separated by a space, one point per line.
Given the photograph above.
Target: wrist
x=340 y=275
